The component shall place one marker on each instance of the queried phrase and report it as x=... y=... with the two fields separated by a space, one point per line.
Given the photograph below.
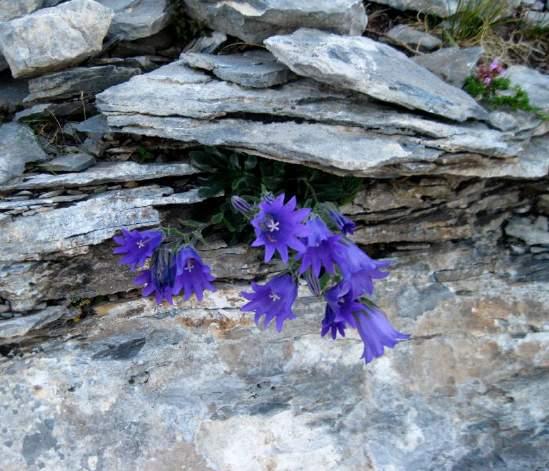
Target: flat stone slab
x=451 y=64
x=442 y=8
x=413 y=38
x=533 y=82
x=69 y=163
x=372 y=68
x=18 y=145
x=253 y=21
x=345 y=132
x=255 y=69
x=104 y=172
x=87 y=222
x=136 y=19
x=54 y=38
x=80 y=80
x=12 y=329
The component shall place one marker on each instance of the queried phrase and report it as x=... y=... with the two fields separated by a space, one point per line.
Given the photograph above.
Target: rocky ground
x=100 y=103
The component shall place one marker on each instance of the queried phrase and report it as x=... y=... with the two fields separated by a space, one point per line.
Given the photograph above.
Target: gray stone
x=18 y=146
x=54 y=38
x=10 y=9
x=104 y=172
x=531 y=232
x=256 y=69
x=69 y=163
x=503 y=120
x=136 y=19
x=254 y=21
x=73 y=229
x=442 y=8
x=80 y=81
x=350 y=130
x=190 y=383
x=413 y=38
x=451 y=64
x=373 y=68
x=11 y=329
x=533 y=82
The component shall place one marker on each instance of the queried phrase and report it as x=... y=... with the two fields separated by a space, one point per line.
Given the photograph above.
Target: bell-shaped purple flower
x=279 y=226
x=242 y=206
x=273 y=300
x=159 y=279
x=329 y=323
x=375 y=330
x=343 y=223
x=192 y=275
x=342 y=301
x=322 y=248
x=359 y=269
x=137 y=246
x=377 y=333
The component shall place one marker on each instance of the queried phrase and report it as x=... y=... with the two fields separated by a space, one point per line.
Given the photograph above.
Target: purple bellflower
x=242 y=206
x=137 y=246
x=322 y=248
x=279 y=226
x=343 y=309
x=193 y=276
x=159 y=279
x=377 y=333
x=273 y=300
x=343 y=223
x=329 y=323
x=359 y=269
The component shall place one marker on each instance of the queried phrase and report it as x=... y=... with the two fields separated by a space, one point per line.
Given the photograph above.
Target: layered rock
x=343 y=132
x=372 y=68
x=461 y=209
x=54 y=37
x=254 y=21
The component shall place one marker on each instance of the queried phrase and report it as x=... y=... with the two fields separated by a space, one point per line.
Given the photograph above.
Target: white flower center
x=273 y=225
x=189 y=265
x=274 y=297
x=141 y=243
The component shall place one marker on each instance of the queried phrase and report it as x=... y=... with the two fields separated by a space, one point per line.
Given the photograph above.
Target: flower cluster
x=165 y=269
x=314 y=246
x=486 y=73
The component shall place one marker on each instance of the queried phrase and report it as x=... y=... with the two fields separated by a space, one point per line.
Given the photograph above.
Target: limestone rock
x=531 y=232
x=254 y=21
x=80 y=81
x=104 y=172
x=344 y=132
x=18 y=145
x=533 y=82
x=55 y=37
x=442 y=8
x=255 y=69
x=11 y=329
x=451 y=64
x=69 y=163
x=191 y=383
x=85 y=223
x=373 y=68
x=10 y=9
x=136 y=19
x=413 y=38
